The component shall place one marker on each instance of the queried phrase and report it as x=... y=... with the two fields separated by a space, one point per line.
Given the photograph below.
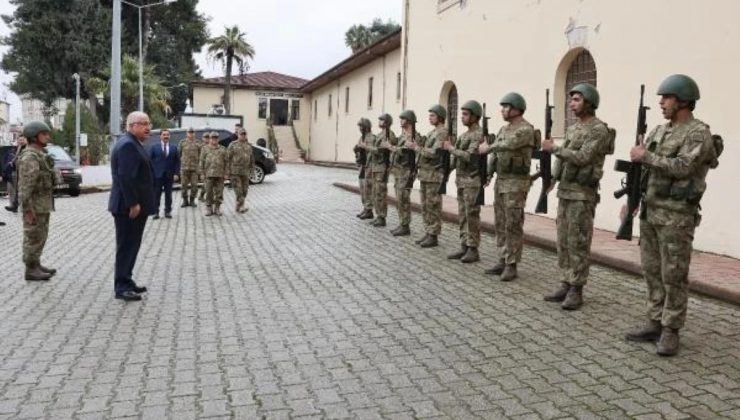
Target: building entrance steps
x=288 y=150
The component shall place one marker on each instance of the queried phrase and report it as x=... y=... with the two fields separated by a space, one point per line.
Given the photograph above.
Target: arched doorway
x=582 y=70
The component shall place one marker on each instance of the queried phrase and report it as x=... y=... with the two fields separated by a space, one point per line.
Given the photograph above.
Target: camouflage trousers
x=34 y=239
x=380 y=195
x=214 y=191
x=188 y=183
x=665 y=252
x=431 y=207
x=469 y=215
x=575 y=224
x=508 y=209
x=202 y=193
x=403 y=199
x=241 y=187
x=366 y=192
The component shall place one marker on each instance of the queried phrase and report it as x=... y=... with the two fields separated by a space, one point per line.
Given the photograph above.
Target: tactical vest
x=40 y=184
x=463 y=167
x=430 y=167
x=514 y=163
x=589 y=175
x=189 y=155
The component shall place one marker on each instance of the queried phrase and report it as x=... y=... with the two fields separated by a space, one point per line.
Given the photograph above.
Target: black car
x=70 y=171
x=264 y=161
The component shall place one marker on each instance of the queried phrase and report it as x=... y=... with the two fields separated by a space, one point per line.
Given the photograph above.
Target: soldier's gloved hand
x=29 y=217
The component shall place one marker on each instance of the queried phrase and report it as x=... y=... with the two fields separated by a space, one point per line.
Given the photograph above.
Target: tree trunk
x=227 y=85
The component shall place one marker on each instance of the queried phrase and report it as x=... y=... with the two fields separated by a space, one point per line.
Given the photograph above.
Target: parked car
x=264 y=160
x=70 y=172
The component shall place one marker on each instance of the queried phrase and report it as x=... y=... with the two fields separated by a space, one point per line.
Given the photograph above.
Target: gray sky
x=297 y=37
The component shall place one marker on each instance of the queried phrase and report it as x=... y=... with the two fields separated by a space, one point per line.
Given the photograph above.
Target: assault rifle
x=410 y=158
x=544 y=170
x=361 y=159
x=482 y=161
x=386 y=154
x=444 y=159
x=631 y=186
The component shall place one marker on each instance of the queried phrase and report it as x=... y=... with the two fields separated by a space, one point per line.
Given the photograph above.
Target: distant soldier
x=403 y=160
x=362 y=159
x=467 y=180
x=214 y=167
x=512 y=152
x=205 y=143
x=676 y=158
x=189 y=159
x=241 y=163
x=379 y=163
x=36 y=179
x=578 y=169
x=431 y=175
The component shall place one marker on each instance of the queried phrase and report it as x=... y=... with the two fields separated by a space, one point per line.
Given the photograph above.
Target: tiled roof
x=264 y=80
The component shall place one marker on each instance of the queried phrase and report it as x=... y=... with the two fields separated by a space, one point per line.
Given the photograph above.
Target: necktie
x=165 y=150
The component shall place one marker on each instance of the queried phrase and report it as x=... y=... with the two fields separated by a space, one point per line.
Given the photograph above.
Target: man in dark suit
x=166 y=163
x=131 y=201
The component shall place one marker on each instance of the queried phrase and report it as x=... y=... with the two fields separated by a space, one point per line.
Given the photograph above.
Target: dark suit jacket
x=133 y=178
x=164 y=167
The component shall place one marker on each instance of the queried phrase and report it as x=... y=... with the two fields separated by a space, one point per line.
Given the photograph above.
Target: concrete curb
x=697 y=285
x=327 y=164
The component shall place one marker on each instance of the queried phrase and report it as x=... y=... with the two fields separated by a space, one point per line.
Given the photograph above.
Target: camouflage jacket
x=579 y=163
x=36 y=179
x=366 y=140
x=189 y=155
x=375 y=159
x=241 y=159
x=403 y=159
x=214 y=162
x=430 y=165
x=512 y=152
x=465 y=154
x=674 y=172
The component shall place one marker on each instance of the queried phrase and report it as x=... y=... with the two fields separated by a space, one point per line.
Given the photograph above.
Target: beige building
x=34 y=109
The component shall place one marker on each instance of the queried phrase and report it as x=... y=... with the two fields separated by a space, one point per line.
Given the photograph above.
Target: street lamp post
x=77 y=117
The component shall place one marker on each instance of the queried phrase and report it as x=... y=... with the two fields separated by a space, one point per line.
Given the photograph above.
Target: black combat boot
x=668 y=342
x=429 y=242
x=192 y=202
x=402 y=230
x=34 y=273
x=359 y=215
x=209 y=210
x=558 y=295
x=13 y=208
x=379 y=222
x=367 y=214
x=574 y=298
x=509 y=273
x=47 y=270
x=471 y=255
x=459 y=254
x=497 y=269
x=650 y=332
x=217 y=211
x=185 y=201
x=422 y=239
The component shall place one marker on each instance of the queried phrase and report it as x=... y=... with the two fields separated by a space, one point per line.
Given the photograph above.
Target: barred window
x=582 y=70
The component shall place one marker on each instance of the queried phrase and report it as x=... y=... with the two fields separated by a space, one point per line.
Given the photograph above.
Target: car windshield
x=57 y=153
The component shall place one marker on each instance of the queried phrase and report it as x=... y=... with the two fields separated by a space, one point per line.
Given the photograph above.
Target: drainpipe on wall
x=405 y=51
x=336 y=126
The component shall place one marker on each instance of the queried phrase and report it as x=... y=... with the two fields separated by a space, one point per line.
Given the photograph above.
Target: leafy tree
x=360 y=36
x=229 y=48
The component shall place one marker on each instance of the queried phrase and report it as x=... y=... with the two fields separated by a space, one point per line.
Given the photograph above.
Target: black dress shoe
x=156 y=216
x=14 y=209
x=2 y=223
x=128 y=296
x=140 y=289
x=168 y=215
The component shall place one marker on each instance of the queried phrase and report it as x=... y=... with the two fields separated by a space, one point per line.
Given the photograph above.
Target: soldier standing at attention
x=431 y=175
x=403 y=159
x=675 y=160
x=366 y=179
x=512 y=151
x=464 y=152
x=214 y=166
x=578 y=168
x=241 y=163
x=379 y=162
x=189 y=158
x=205 y=144
x=36 y=179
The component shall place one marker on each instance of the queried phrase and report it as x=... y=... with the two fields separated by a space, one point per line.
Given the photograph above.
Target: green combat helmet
x=515 y=100
x=474 y=108
x=439 y=110
x=408 y=115
x=364 y=123
x=33 y=128
x=387 y=118
x=681 y=86
x=589 y=92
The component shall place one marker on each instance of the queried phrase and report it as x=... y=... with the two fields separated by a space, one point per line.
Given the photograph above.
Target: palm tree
x=229 y=48
x=357 y=37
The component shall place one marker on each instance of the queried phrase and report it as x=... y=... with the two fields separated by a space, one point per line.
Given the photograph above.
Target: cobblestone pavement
x=298 y=310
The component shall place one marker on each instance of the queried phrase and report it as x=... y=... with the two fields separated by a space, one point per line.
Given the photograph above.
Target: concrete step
x=286 y=143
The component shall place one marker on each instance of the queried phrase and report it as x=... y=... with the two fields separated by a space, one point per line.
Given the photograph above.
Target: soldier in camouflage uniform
x=365 y=176
x=189 y=159
x=403 y=159
x=431 y=175
x=512 y=152
x=36 y=179
x=379 y=162
x=578 y=168
x=204 y=142
x=467 y=180
x=214 y=167
x=675 y=160
x=241 y=163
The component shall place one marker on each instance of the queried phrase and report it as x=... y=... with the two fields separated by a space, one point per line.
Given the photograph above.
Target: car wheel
x=74 y=192
x=258 y=175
